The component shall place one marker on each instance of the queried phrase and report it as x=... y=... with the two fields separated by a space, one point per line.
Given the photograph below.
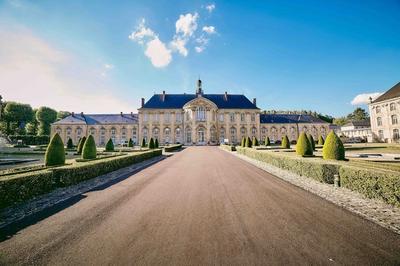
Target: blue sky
x=103 y=56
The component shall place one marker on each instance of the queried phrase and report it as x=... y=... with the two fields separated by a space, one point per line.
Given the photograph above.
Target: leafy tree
x=62 y=115
x=311 y=140
x=333 y=148
x=156 y=144
x=89 y=149
x=45 y=116
x=130 y=143
x=110 y=145
x=321 y=140
x=358 y=114
x=285 y=142
x=267 y=142
x=151 y=143
x=326 y=118
x=80 y=145
x=303 y=146
x=144 y=143
x=248 y=142
x=15 y=116
x=55 y=153
x=70 y=144
x=340 y=121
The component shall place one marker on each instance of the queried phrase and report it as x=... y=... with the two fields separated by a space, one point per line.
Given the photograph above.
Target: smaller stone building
x=357 y=130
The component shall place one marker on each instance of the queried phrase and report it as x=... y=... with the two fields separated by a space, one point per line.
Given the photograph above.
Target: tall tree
x=16 y=115
x=45 y=116
x=62 y=114
x=358 y=114
x=32 y=127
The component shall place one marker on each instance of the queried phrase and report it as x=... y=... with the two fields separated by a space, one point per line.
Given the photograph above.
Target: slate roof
x=97 y=119
x=390 y=94
x=289 y=118
x=360 y=123
x=177 y=101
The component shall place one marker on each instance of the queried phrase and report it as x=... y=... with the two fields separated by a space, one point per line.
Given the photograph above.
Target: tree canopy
x=45 y=116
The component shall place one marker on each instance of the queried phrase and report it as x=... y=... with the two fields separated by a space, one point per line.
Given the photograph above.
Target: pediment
x=200 y=101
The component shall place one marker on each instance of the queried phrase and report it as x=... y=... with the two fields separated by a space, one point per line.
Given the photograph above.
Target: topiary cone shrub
x=303 y=146
x=243 y=144
x=248 y=142
x=255 y=141
x=311 y=140
x=285 y=142
x=144 y=143
x=333 y=148
x=321 y=140
x=70 y=145
x=267 y=142
x=80 y=145
x=151 y=143
x=110 y=145
x=89 y=150
x=130 y=143
x=55 y=153
x=156 y=144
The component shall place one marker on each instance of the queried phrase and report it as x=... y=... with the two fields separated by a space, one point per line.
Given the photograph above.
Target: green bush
x=80 y=145
x=89 y=149
x=110 y=145
x=248 y=142
x=156 y=144
x=172 y=148
x=30 y=139
x=267 y=142
x=303 y=146
x=151 y=143
x=285 y=142
x=55 y=153
x=321 y=140
x=255 y=141
x=311 y=140
x=333 y=148
x=70 y=144
x=228 y=147
x=243 y=143
x=144 y=143
x=130 y=143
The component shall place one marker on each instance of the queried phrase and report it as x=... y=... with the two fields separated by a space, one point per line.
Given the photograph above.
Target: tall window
x=68 y=132
x=379 y=121
x=396 y=135
x=253 y=131
x=58 y=130
x=380 y=133
x=92 y=131
x=394 y=119
x=178 y=117
x=178 y=135
x=221 y=117
x=232 y=117
x=242 y=117
x=167 y=117
x=200 y=113
x=102 y=136
x=233 y=134
x=392 y=106
x=113 y=137
x=145 y=133
x=253 y=117
x=156 y=117
x=156 y=131
x=145 y=117
x=188 y=135
x=188 y=114
x=222 y=135
x=167 y=132
x=378 y=109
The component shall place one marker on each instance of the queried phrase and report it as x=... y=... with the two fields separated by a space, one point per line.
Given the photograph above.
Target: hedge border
x=172 y=148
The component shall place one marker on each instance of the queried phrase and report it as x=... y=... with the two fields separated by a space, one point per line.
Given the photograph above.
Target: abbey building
x=191 y=119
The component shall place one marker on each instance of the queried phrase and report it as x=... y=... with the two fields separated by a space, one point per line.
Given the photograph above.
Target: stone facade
x=385 y=116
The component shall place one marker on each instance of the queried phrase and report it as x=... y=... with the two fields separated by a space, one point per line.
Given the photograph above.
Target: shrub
x=321 y=140
x=70 y=144
x=110 y=145
x=55 y=153
x=267 y=142
x=228 y=147
x=303 y=146
x=30 y=139
x=130 y=143
x=333 y=148
x=172 y=148
x=285 y=142
x=156 y=144
x=144 y=143
x=80 y=145
x=151 y=143
x=248 y=142
x=89 y=149
x=255 y=141
x=243 y=143
x=311 y=140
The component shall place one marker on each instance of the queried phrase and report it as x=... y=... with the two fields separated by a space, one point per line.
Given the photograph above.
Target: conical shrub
x=130 y=143
x=285 y=142
x=267 y=142
x=80 y=145
x=311 y=140
x=333 y=148
x=144 y=143
x=255 y=141
x=303 y=146
x=321 y=140
x=89 y=150
x=243 y=143
x=248 y=142
x=156 y=144
x=55 y=153
x=110 y=145
x=70 y=144
x=151 y=143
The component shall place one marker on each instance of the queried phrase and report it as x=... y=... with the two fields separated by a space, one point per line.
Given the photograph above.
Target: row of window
x=396 y=134
x=393 y=118
x=392 y=107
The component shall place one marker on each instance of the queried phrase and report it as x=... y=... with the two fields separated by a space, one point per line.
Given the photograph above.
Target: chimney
x=81 y=113
x=73 y=114
x=163 y=96
x=255 y=101
x=226 y=96
x=142 y=102
x=121 y=114
x=131 y=113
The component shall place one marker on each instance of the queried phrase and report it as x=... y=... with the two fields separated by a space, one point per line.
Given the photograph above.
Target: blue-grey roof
x=177 y=101
x=289 y=118
x=98 y=119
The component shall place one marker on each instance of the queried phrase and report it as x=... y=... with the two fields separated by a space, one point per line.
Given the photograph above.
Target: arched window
x=113 y=135
x=379 y=121
x=145 y=134
x=102 y=136
x=213 y=134
x=381 y=136
x=92 y=131
x=123 y=135
x=396 y=135
x=232 y=117
x=394 y=119
x=222 y=135
x=233 y=134
x=188 y=135
x=167 y=134
x=156 y=132
x=69 y=131
x=304 y=129
x=58 y=131
x=283 y=130
x=201 y=113
x=253 y=131
x=378 y=109
x=253 y=117
x=392 y=106
x=178 y=135
x=242 y=117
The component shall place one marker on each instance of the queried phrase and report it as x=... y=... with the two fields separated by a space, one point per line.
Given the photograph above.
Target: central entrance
x=201 y=138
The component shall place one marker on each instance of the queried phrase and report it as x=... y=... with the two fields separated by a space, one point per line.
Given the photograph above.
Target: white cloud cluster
x=159 y=53
x=364 y=98
x=210 y=7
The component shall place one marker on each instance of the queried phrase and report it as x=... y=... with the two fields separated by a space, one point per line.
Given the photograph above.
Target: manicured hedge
x=21 y=187
x=228 y=147
x=30 y=139
x=172 y=148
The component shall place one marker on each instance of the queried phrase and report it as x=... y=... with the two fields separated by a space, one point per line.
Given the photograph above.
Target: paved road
x=201 y=206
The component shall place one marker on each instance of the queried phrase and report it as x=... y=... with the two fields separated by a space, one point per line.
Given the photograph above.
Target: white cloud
x=364 y=98
x=210 y=7
x=106 y=68
x=199 y=49
x=158 y=53
x=142 y=33
x=209 y=29
x=187 y=24
x=34 y=71
x=201 y=43
x=179 y=44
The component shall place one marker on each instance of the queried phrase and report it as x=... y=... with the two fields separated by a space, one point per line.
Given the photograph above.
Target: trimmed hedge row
x=21 y=187
x=30 y=139
x=373 y=183
x=228 y=147
x=172 y=148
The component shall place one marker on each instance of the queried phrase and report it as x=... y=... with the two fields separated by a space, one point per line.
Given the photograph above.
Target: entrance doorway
x=201 y=138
